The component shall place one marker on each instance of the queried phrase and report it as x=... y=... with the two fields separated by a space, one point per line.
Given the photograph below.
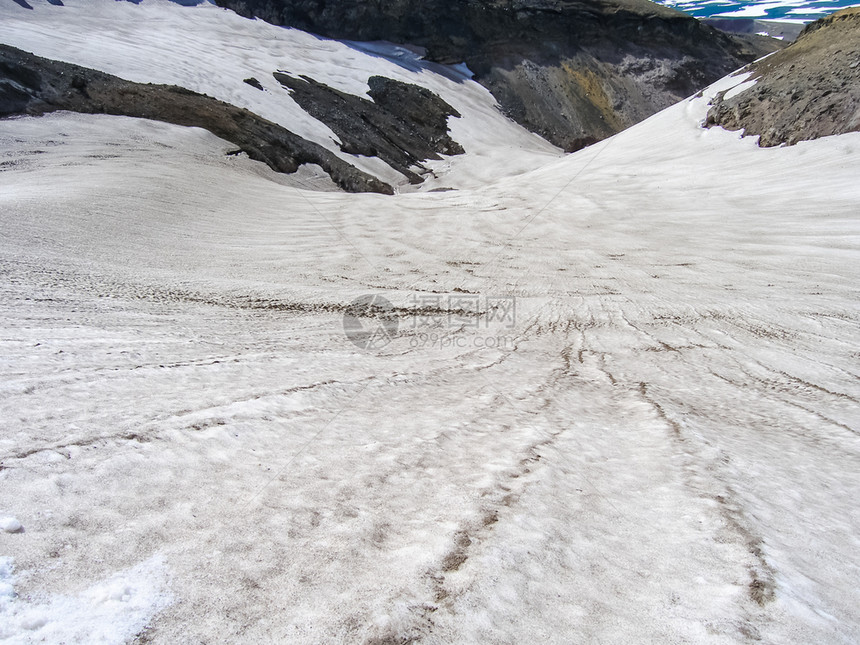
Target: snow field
x=667 y=451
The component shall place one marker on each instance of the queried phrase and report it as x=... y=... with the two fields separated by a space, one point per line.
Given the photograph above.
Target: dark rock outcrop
x=403 y=125
x=253 y=82
x=572 y=71
x=33 y=85
x=809 y=90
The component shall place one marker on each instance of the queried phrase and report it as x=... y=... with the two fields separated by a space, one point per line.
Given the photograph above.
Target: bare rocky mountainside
x=573 y=72
x=809 y=90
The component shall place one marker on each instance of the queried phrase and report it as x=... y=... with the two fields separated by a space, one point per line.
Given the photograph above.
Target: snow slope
x=212 y=50
x=662 y=446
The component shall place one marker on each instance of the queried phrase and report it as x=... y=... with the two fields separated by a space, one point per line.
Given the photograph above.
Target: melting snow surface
x=660 y=441
x=113 y=610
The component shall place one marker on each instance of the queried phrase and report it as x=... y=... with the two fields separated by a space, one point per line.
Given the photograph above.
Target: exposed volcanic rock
x=33 y=85
x=403 y=125
x=809 y=90
x=574 y=72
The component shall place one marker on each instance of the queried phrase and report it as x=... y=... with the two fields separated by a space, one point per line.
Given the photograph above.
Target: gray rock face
x=809 y=90
x=33 y=85
x=573 y=72
x=403 y=125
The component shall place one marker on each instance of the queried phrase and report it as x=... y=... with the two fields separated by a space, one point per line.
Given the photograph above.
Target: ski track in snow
x=666 y=449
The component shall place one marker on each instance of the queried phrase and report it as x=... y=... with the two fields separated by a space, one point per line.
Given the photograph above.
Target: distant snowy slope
x=783 y=10
x=212 y=51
